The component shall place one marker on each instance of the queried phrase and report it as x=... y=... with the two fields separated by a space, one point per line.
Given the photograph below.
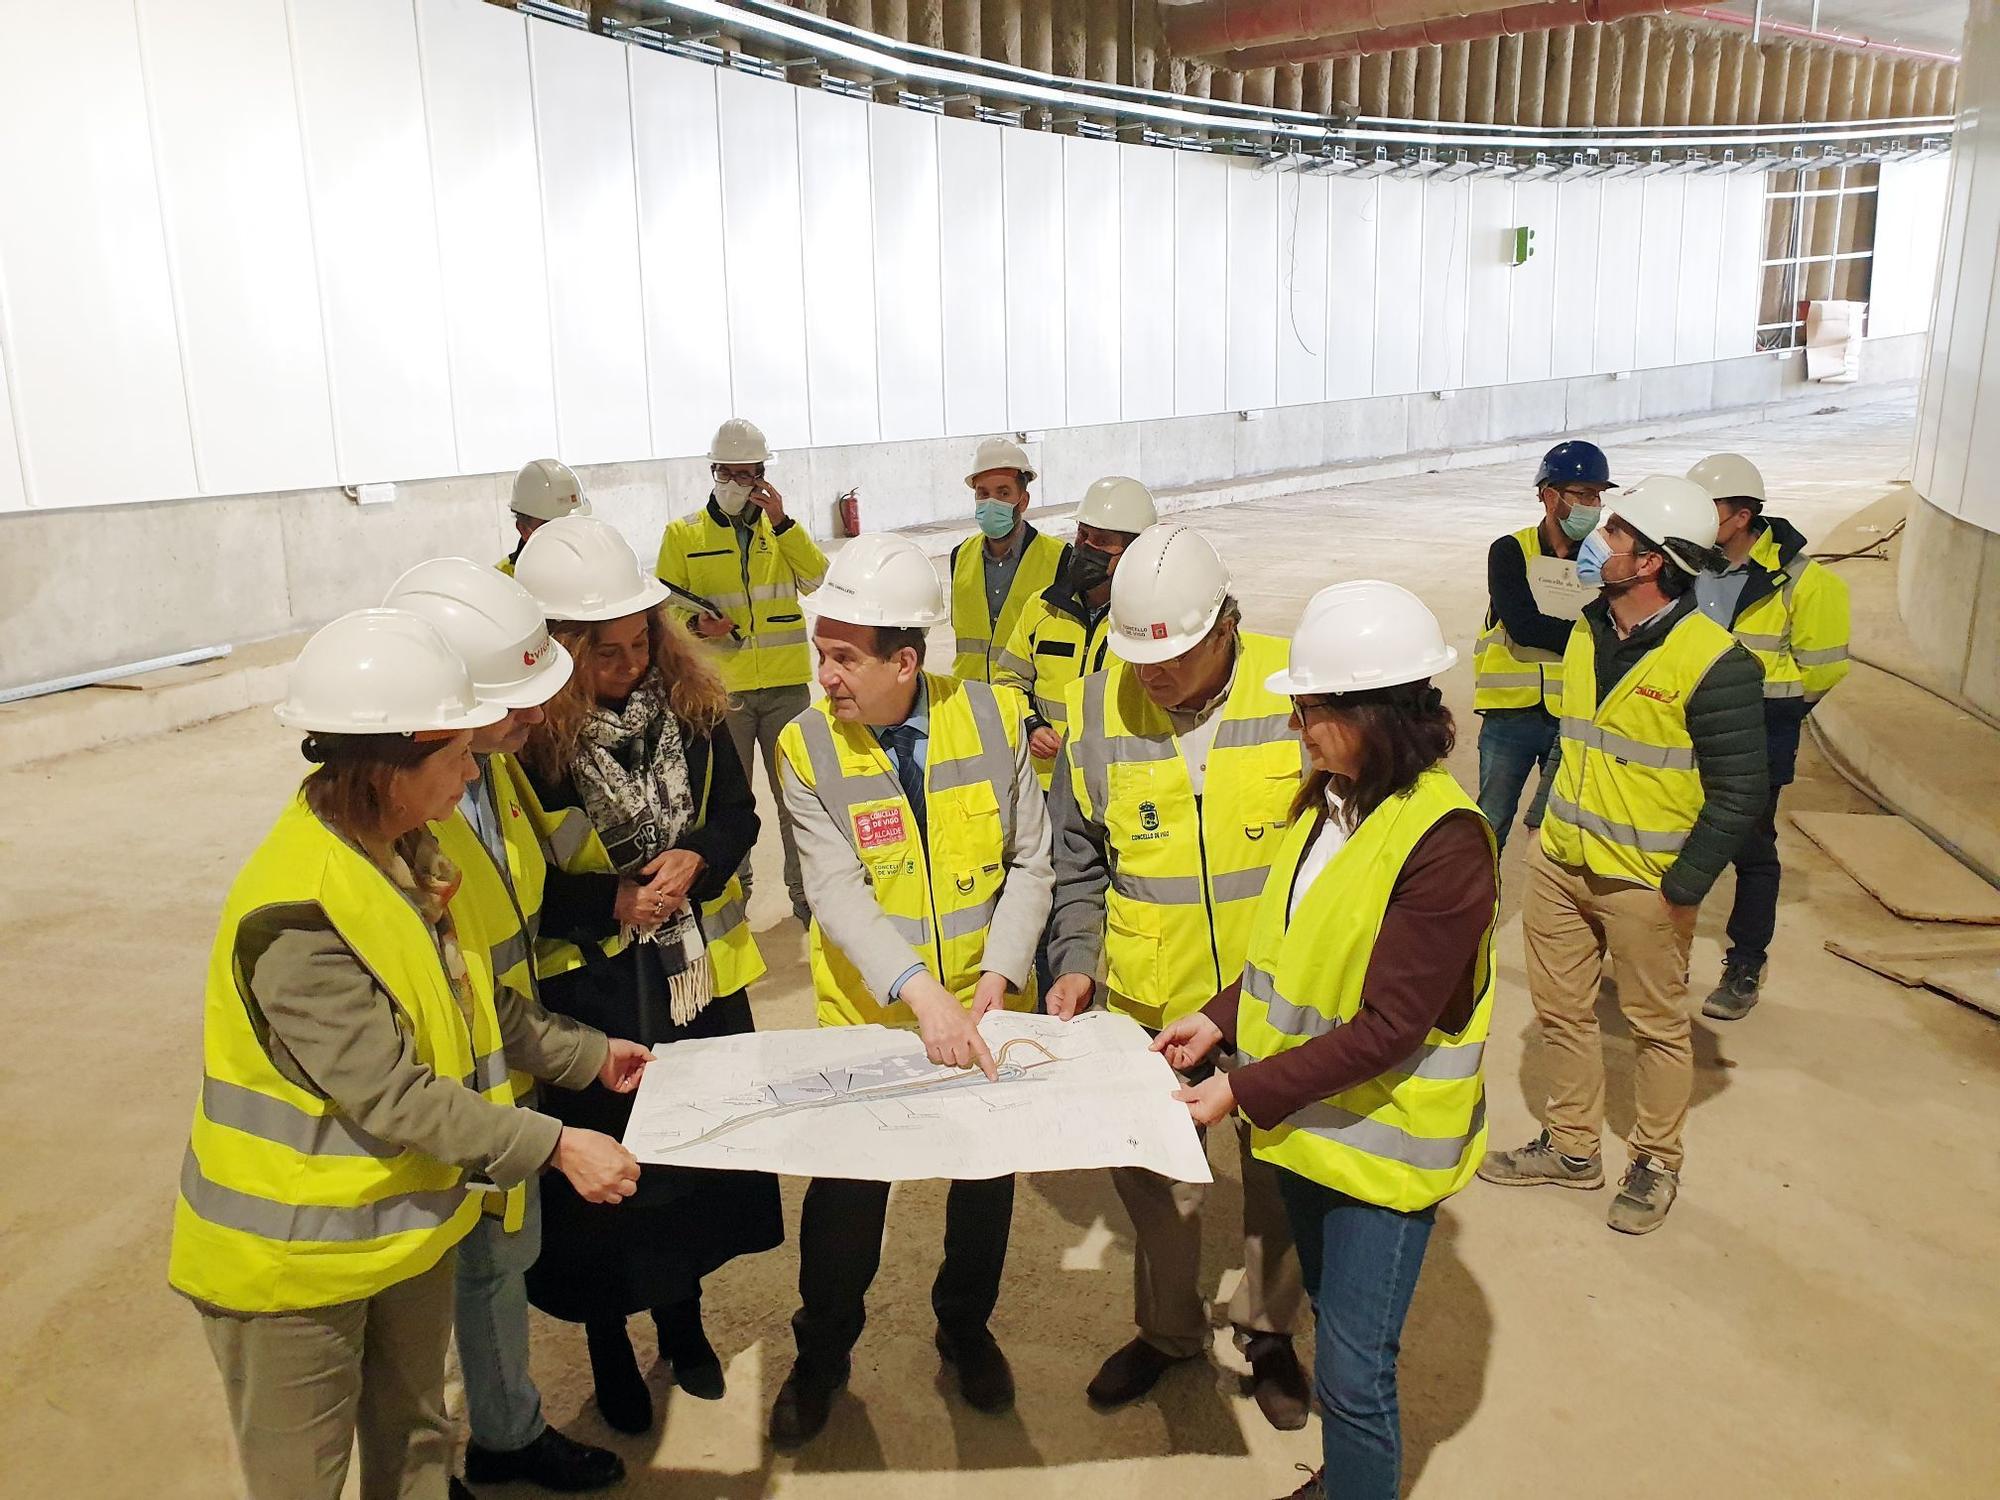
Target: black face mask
x=1089 y=568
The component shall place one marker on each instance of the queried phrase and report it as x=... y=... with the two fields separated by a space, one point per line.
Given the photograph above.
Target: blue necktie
x=902 y=743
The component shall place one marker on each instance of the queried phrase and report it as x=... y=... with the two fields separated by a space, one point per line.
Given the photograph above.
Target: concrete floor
x=1818 y=1316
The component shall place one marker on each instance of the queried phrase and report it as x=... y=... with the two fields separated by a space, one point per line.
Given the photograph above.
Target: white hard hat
x=382 y=671
x=1117 y=504
x=1362 y=635
x=738 y=442
x=493 y=623
x=547 y=490
x=1000 y=453
x=880 y=579
x=1674 y=514
x=582 y=569
x=1166 y=595
x=1729 y=476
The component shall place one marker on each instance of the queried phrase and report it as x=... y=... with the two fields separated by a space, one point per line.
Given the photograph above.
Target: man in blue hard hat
x=1517 y=691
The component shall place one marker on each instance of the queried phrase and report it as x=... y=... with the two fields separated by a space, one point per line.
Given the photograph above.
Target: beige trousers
x=1166 y=1257
x=1570 y=921
x=304 y=1388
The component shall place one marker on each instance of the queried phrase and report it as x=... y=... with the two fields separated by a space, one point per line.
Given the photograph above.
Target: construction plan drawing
x=864 y=1102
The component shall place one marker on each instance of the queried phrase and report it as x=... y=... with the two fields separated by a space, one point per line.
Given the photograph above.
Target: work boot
x=984 y=1378
x=1312 y=1489
x=455 y=1490
x=1731 y=1000
x=804 y=1403
x=1645 y=1194
x=553 y=1461
x=685 y=1346
x=621 y=1390
x=1539 y=1162
x=1130 y=1373
x=1277 y=1384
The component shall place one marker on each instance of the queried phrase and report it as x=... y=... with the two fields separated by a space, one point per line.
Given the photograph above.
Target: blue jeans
x=501 y=1402
x=1511 y=745
x=1360 y=1263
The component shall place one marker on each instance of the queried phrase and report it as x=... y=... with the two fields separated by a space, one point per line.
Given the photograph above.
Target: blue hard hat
x=1574 y=462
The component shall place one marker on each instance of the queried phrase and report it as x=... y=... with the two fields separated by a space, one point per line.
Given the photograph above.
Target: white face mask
x=731 y=496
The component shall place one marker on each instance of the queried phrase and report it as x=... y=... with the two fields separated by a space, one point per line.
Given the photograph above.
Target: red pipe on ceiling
x=1354 y=27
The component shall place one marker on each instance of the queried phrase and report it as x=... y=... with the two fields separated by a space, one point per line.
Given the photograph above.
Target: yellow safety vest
x=1185 y=874
x=284 y=1203
x=569 y=842
x=1050 y=649
x=1509 y=676
x=938 y=893
x=1628 y=792
x=980 y=637
x=506 y=565
x=758 y=589
x=1413 y=1135
x=1799 y=631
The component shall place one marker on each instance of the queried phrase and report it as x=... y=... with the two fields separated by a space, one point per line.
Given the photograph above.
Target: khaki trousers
x=1570 y=920
x=1166 y=1257
x=304 y=1388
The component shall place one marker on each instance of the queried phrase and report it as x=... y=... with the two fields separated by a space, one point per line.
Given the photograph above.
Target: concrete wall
x=1949 y=589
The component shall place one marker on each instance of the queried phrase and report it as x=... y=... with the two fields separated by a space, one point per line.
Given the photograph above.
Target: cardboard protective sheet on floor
x=1911 y=954
x=1976 y=982
x=1896 y=864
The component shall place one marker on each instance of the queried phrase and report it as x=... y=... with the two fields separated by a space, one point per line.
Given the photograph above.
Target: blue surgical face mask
x=996 y=518
x=1590 y=558
x=1581 y=521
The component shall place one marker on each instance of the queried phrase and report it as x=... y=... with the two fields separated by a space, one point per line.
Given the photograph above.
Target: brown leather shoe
x=1277 y=1384
x=1130 y=1373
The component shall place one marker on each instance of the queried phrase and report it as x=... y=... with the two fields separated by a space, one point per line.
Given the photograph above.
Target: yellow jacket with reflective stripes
x=570 y=843
x=980 y=637
x=1793 y=618
x=1628 y=791
x=938 y=887
x=1185 y=874
x=1053 y=645
x=1413 y=1135
x=284 y=1204
x=1506 y=675
x=758 y=589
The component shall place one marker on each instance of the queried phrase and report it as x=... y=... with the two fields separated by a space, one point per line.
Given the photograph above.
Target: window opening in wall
x=1819 y=246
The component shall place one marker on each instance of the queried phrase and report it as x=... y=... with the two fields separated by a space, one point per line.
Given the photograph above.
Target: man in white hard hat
x=1170 y=800
x=1662 y=776
x=996 y=573
x=1792 y=615
x=745 y=556
x=1062 y=633
x=925 y=846
x=546 y=489
x=496 y=626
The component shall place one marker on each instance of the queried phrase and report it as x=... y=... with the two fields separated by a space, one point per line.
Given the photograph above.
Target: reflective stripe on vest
x=980 y=637
x=1509 y=676
x=1628 y=790
x=757 y=589
x=1185 y=872
x=1414 y=1133
x=1050 y=650
x=939 y=890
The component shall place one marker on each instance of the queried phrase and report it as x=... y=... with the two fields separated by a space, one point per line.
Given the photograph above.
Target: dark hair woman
x=1363 y=1006
x=653 y=943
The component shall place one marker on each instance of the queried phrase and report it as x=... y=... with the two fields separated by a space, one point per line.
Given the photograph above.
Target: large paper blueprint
x=863 y=1101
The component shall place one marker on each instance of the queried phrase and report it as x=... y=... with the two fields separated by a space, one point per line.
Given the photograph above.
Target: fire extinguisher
x=850 y=513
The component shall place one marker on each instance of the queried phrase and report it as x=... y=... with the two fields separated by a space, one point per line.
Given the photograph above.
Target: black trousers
x=840 y=1249
x=1753 y=919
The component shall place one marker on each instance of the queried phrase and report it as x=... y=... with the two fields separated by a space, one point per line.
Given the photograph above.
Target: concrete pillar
x=1538 y=79
x=927 y=23
x=1632 y=85
x=1451 y=92
x=961 y=27
x=1750 y=92
x=1844 y=72
x=1902 y=88
x=1577 y=84
x=892 y=19
x=1000 y=30
x=1945 y=100
x=1729 y=78
x=1507 y=81
x=1708 y=76
x=1288 y=86
x=1820 y=227
x=1149 y=48
x=1608 y=103
x=1659 y=74
x=1375 y=81
x=1101 y=20
x=1070 y=37
x=1796 y=86
x=1037 y=36
x=1226 y=84
x=1482 y=78
x=1416 y=83
x=1776 y=86
x=1343 y=87
x=1678 y=97
x=1260 y=86
x=1819 y=84
x=1194 y=78
x=1924 y=97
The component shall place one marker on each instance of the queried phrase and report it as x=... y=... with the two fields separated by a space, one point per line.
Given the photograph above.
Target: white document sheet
x=1558 y=592
x=864 y=1102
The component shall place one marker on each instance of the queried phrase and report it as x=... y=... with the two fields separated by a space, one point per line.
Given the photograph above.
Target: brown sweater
x=1421 y=974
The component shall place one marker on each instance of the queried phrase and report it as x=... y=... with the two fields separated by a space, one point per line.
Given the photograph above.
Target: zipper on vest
x=1207 y=903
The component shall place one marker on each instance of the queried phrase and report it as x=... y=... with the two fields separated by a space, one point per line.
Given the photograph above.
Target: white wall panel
x=239 y=236
x=1659 y=270
x=1489 y=281
x=683 y=277
x=839 y=223
x=974 y=276
x=1091 y=302
x=1739 y=276
x=761 y=237
x=1032 y=169
x=1250 y=286
x=1441 y=333
x=1201 y=261
x=1146 y=263
x=1352 y=210
x=1573 y=316
x=86 y=306
x=375 y=233
x=1937 y=351
x=1618 y=236
x=1909 y=218
x=1302 y=276
x=590 y=219
x=908 y=310
x=1399 y=285
x=480 y=106
x=1704 y=231
x=1531 y=288
x=13 y=493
